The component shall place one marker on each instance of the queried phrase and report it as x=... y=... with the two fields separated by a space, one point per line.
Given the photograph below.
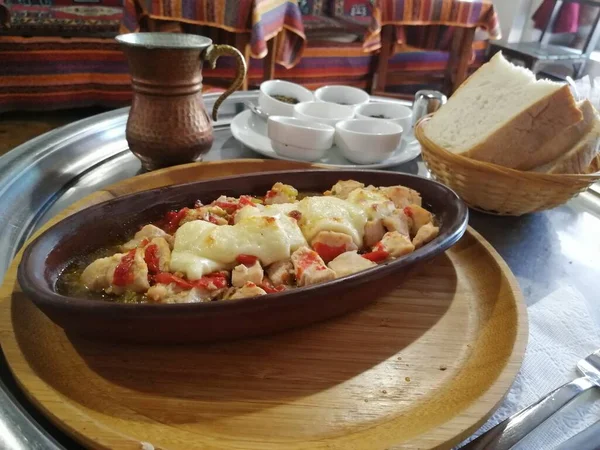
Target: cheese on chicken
x=331 y=214
x=372 y=202
x=202 y=247
x=280 y=212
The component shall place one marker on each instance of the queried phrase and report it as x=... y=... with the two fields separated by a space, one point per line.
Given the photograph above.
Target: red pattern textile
x=567 y=21
x=101 y=18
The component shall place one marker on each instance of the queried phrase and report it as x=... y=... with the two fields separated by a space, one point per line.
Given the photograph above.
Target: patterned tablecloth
x=263 y=19
x=458 y=13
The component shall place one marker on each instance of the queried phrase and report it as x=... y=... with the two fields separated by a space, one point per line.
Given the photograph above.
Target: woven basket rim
x=500 y=170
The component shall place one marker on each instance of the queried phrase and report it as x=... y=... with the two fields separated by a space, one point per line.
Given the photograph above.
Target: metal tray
x=45 y=175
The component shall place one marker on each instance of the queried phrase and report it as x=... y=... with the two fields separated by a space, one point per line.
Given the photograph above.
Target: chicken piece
x=374 y=231
x=171 y=293
x=342 y=188
x=329 y=244
x=349 y=263
x=247 y=290
x=212 y=214
x=395 y=244
x=157 y=255
x=426 y=234
x=402 y=196
x=280 y=272
x=243 y=274
x=147 y=232
x=281 y=193
x=420 y=216
x=99 y=274
x=398 y=221
x=138 y=275
x=309 y=268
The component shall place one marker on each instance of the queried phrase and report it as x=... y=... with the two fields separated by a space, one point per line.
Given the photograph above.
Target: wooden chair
x=456 y=71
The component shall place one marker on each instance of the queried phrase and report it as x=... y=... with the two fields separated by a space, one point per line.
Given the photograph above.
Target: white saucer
x=252 y=132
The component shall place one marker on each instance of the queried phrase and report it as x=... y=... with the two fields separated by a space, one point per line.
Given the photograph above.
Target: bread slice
x=503 y=115
x=578 y=159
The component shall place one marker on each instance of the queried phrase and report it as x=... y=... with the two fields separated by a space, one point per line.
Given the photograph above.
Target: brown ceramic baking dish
x=113 y=221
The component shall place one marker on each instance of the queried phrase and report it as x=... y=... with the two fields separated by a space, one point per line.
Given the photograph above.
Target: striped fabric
x=461 y=13
x=262 y=18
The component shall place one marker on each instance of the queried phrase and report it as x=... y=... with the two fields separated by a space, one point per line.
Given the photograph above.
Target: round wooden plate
x=422 y=367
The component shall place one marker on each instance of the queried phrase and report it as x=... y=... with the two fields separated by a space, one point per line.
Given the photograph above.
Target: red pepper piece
x=247 y=260
x=376 y=256
x=123 y=274
x=151 y=258
x=328 y=252
x=174 y=219
x=408 y=211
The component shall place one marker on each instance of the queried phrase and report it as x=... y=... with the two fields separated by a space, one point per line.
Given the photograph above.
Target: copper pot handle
x=211 y=55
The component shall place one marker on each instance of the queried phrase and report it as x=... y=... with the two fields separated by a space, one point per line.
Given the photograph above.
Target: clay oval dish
x=112 y=221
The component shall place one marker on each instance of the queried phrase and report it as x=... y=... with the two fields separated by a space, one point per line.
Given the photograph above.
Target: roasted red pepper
x=212 y=219
x=151 y=258
x=328 y=252
x=123 y=274
x=247 y=260
x=268 y=287
x=173 y=220
x=376 y=256
x=218 y=280
x=408 y=211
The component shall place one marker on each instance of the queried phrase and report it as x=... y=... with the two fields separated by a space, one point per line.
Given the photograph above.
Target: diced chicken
x=281 y=193
x=398 y=221
x=374 y=231
x=212 y=214
x=420 y=216
x=342 y=188
x=139 y=271
x=309 y=268
x=171 y=293
x=243 y=274
x=329 y=244
x=99 y=274
x=280 y=273
x=426 y=234
x=402 y=196
x=157 y=252
x=247 y=290
x=349 y=263
x=148 y=232
x=395 y=244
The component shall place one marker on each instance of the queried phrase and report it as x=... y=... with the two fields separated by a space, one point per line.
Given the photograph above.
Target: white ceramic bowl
x=342 y=95
x=402 y=115
x=323 y=112
x=299 y=139
x=274 y=107
x=367 y=141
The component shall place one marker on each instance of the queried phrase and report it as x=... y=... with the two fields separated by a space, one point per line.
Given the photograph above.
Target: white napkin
x=563 y=328
x=589 y=88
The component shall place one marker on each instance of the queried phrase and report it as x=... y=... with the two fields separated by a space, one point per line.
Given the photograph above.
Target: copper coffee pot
x=168 y=123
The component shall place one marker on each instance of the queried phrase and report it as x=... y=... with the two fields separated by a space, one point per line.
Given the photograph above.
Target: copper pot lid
x=164 y=40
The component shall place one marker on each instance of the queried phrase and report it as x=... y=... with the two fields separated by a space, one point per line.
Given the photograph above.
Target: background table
x=42 y=177
x=262 y=19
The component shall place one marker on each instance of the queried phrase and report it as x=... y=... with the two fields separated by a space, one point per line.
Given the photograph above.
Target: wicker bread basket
x=498 y=190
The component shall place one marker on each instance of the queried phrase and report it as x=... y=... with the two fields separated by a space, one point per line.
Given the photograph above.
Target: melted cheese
x=280 y=212
x=201 y=246
x=372 y=202
x=331 y=214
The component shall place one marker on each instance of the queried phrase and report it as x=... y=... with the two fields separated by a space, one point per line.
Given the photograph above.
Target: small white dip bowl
x=299 y=139
x=274 y=107
x=402 y=115
x=367 y=141
x=322 y=112
x=342 y=95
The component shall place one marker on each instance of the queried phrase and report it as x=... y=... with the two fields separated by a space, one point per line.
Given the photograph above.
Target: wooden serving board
x=422 y=367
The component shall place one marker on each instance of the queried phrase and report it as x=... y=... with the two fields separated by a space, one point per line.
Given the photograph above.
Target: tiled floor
x=19 y=127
